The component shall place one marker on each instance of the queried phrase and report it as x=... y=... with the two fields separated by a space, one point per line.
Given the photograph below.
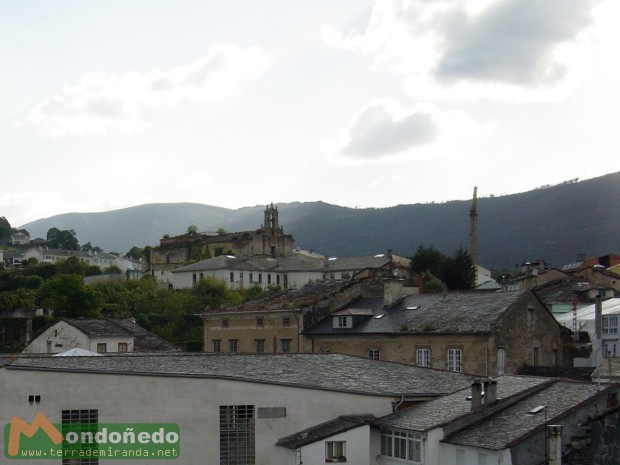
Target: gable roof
x=325 y=430
x=144 y=340
x=453 y=312
x=441 y=411
x=331 y=372
x=512 y=425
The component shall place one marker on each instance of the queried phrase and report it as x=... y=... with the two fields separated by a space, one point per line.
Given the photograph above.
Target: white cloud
x=386 y=130
x=518 y=49
x=101 y=103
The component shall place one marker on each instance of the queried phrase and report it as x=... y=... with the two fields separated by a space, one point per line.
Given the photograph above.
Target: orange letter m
x=19 y=426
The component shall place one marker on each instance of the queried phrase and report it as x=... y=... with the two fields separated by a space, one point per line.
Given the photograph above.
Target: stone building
x=478 y=333
x=267 y=241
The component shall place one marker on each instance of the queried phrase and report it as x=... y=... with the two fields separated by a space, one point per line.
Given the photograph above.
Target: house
x=505 y=421
x=229 y=408
x=479 y=333
x=45 y=254
x=100 y=335
x=276 y=324
x=173 y=252
x=569 y=293
x=601 y=326
x=20 y=238
x=290 y=272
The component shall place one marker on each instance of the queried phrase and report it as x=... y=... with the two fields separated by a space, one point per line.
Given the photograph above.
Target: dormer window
x=343 y=322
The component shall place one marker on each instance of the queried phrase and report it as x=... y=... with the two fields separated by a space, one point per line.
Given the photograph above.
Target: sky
x=110 y=104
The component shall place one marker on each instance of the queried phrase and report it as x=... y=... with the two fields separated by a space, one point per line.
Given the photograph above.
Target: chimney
x=554 y=435
x=476 y=396
x=490 y=392
x=392 y=292
x=598 y=315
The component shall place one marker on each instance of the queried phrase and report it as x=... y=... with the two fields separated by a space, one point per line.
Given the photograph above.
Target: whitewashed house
x=102 y=335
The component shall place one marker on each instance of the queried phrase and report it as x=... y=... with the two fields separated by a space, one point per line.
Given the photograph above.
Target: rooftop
x=332 y=372
x=325 y=430
x=453 y=312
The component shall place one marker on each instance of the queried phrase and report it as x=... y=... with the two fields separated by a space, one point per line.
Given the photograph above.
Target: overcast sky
x=114 y=103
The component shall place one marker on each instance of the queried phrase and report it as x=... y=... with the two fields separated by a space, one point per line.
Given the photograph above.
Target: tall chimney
x=476 y=396
x=598 y=316
x=554 y=435
x=490 y=392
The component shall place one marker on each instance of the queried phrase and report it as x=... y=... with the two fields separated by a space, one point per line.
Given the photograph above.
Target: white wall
x=193 y=403
x=64 y=336
x=472 y=456
x=357 y=448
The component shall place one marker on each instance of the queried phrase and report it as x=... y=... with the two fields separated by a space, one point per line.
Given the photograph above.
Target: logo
x=19 y=427
x=42 y=439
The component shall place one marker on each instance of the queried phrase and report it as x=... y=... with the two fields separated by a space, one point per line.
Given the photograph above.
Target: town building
x=177 y=251
x=101 y=335
x=480 y=333
x=229 y=408
x=290 y=272
x=504 y=421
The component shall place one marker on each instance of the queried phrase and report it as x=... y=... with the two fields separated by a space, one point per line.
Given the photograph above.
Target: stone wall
x=606 y=439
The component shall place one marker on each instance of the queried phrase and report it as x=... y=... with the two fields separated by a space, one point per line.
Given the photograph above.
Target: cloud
x=101 y=103
x=511 y=41
x=386 y=130
x=472 y=45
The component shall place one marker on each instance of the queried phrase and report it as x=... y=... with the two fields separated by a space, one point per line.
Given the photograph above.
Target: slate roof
x=454 y=312
x=331 y=372
x=441 y=411
x=144 y=340
x=291 y=263
x=325 y=430
x=512 y=425
x=607 y=368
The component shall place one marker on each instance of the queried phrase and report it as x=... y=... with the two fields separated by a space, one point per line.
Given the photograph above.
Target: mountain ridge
x=554 y=223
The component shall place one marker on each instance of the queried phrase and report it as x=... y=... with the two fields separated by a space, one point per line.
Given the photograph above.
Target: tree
x=192 y=229
x=65 y=240
x=221 y=231
x=429 y=259
x=460 y=273
x=5 y=227
x=431 y=283
x=68 y=297
x=135 y=253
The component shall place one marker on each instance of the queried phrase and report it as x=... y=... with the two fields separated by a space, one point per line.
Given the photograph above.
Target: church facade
x=267 y=241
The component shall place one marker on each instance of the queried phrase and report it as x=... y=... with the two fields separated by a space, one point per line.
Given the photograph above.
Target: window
x=122 y=347
x=251 y=277
x=343 y=322
x=402 y=445
x=501 y=361
x=455 y=357
x=259 y=345
x=260 y=321
x=286 y=345
x=530 y=317
x=278 y=279
x=217 y=345
x=225 y=323
x=268 y=279
x=325 y=350
x=554 y=357
x=610 y=324
x=232 y=345
x=260 y=278
x=286 y=321
x=102 y=348
x=241 y=278
x=232 y=277
x=609 y=349
x=81 y=422
x=237 y=436
x=335 y=451
x=536 y=356
x=194 y=278
x=423 y=358
x=285 y=282
x=374 y=353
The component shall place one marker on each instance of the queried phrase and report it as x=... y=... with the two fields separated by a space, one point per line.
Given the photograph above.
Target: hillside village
x=335 y=360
